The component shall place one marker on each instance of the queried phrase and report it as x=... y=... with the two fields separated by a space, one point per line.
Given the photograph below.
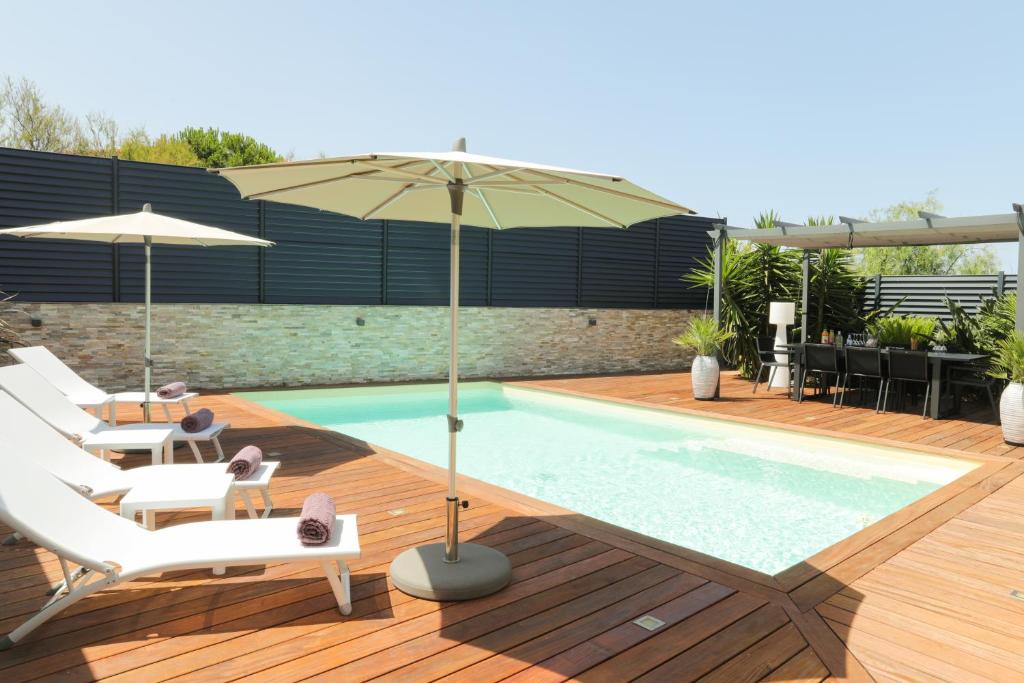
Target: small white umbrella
x=434 y=186
x=146 y=228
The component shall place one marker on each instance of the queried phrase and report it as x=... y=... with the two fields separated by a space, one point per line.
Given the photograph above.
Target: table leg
x=933 y=403
x=797 y=369
x=247 y=501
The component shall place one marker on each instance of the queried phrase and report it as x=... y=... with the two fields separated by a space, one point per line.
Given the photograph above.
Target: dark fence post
x=115 y=208
x=490 y=267
x=384 y=262
x=1000 y=283
x=878 y=290
x=261 y=267
x=657 y=258
x=579 y=267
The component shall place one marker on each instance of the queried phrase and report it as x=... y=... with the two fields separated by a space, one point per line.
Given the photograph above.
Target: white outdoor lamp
x=781 y=314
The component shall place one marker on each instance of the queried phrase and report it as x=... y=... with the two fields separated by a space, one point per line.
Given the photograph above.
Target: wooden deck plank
x=926 y=597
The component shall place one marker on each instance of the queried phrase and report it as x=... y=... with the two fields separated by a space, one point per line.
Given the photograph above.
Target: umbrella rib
x=409 y=174
x=387 y=202
x=570 y=203
x=494 y=174
x=479 y=194
x=442 y=169
x=617 y=193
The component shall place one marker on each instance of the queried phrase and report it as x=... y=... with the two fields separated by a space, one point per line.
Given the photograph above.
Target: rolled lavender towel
x=197 y=421
x=171 y=390
x=245 y=462
x=316 y=522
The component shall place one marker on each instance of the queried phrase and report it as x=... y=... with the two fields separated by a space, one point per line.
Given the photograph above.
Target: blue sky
x=804 y=107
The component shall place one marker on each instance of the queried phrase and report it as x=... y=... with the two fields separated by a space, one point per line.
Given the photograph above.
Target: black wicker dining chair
x=766 y=356
x=822 y=360
x=864 y=363
x=908 y=366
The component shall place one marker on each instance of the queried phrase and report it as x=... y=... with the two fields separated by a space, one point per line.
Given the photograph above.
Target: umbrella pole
x=446 y=571
x=451 y=541
x=147 y=360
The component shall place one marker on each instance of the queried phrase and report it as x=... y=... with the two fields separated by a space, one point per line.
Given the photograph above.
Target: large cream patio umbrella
x=457 y=188
x=146 y=228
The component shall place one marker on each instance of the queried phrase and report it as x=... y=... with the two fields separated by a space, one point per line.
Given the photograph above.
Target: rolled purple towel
x=171 y=390
x=197 y=421
x=245 y=462
x=316 y=522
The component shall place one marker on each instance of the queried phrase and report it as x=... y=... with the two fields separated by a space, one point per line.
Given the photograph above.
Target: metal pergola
x=929 y=229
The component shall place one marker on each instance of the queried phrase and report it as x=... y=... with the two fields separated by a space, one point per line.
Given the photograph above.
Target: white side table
x=178 y=491
x=158 y=441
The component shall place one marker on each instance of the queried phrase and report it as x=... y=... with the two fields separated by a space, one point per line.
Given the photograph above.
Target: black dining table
x=937 y=359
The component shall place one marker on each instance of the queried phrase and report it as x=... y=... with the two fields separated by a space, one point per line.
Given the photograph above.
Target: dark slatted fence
x=924 y=295
x=320 y=257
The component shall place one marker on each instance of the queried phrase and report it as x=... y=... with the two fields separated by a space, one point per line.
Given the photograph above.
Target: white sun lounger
x=86 y=395
x=110 y=550
x=46 y=401
x=24 y=434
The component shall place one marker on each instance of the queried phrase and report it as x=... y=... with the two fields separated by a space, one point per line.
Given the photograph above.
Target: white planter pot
x=704 y=376
x=1011 y=412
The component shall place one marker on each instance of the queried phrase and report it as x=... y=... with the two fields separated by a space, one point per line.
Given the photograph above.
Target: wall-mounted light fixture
x=592 y=322
x=33 y=320
x=360 y=322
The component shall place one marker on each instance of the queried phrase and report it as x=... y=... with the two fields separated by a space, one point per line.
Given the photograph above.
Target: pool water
x=759 y=497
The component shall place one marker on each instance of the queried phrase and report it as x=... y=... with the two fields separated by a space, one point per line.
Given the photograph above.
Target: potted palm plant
x=703 y=336
x=1008 y=363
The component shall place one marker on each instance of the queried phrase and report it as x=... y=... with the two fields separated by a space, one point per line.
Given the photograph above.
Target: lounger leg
x=247 y=501
x=169 y=453
x=149 y=519
x=268 y=504
x=54 y=606
x=167 y=412
x=216 y=447
x=12 y=539
x=195 y=451
x=337 y=576
x=225 y=509
x=184 y=404
x=113 y=413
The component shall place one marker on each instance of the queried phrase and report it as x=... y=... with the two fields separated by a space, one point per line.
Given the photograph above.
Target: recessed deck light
x=649 y=622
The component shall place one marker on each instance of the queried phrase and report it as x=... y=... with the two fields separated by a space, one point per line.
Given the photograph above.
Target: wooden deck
x=924 y=595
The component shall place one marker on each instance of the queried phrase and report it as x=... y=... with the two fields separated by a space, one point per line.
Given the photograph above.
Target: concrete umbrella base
x=423 y=573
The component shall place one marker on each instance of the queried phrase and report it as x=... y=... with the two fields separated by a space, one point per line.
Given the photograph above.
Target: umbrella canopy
x=454 y=187
x=501 y=193
x=135 y=228
x=146 y=228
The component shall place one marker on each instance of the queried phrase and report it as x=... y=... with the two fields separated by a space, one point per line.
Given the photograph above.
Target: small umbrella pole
x=451 y=542
x=147 y=360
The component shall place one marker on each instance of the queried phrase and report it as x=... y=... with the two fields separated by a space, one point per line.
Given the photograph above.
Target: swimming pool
x=759 y=497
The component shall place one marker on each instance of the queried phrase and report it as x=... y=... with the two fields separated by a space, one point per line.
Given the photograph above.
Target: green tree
x=944 y=259
x=137 y=146
x=27 y=121
x=219 y=149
